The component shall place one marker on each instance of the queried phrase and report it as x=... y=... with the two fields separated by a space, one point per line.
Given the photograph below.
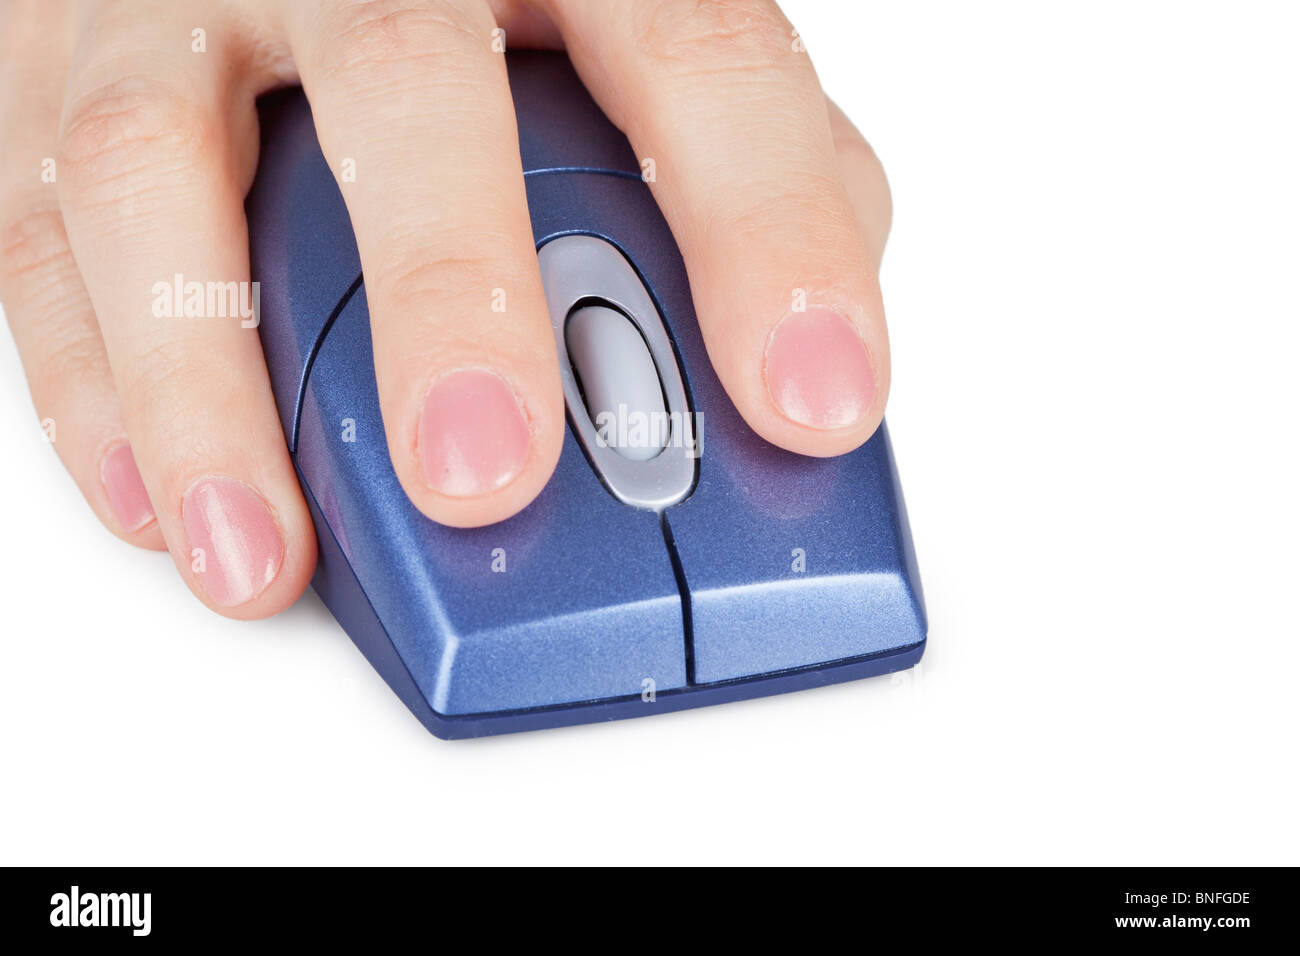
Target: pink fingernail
x=235 y=545
x=473 y=438
x=818 y=371
x=125 y=488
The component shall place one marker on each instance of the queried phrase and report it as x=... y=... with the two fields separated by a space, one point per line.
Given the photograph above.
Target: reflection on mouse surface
x=675 y=558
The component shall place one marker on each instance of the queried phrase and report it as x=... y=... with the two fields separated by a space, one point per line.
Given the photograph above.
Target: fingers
x=410 y=95
x=725 y=102
x=156 y=148
x=51 y=318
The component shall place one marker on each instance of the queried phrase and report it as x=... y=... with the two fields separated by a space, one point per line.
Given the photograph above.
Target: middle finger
x=413 y=95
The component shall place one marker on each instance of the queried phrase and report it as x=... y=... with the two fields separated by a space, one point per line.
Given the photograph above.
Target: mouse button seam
x=310 y=360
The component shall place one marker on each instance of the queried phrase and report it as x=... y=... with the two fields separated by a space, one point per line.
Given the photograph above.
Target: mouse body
x=713 y=568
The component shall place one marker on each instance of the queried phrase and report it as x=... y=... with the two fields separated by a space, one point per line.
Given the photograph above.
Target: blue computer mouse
x=715 y=568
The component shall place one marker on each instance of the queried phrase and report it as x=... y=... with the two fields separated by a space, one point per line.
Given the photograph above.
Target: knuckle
x=422 y=277
x=192 y=403
x=456 y=290
x=712 y=36
x=131 y=129
x=795 y=196
x=375 y=38
x=809 y=205
x=33 y=244
x=161 y=382
x=71 y=358
x=152 y=374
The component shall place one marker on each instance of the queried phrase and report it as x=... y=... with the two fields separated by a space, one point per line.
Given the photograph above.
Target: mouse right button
x=794 y=562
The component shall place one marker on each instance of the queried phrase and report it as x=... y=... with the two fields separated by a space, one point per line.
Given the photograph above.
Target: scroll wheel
x=619 y=381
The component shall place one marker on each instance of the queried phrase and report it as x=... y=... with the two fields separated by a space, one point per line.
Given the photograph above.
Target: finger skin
x=728 y=106
x=864 y=178
x=411 y=97
x=46 y=305
x=157 y=145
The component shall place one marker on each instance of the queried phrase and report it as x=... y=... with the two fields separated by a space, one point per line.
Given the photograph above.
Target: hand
x=129 y=138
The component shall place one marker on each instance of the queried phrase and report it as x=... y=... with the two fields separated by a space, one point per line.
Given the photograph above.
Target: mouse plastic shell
x=777 y=572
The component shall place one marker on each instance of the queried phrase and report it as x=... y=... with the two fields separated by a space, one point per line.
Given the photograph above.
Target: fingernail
x=125 y=488
x=235 y=545
x=818 y=371
x=473 y=438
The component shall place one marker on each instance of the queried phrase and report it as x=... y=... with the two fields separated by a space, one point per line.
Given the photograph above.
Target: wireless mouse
x=708 y=567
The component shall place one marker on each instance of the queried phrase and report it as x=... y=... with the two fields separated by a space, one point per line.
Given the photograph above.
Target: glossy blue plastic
x=777 y=572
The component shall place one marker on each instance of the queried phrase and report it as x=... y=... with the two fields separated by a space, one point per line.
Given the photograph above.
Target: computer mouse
x=700 y=567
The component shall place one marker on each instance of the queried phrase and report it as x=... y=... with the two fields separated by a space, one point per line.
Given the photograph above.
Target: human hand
x=129 y=138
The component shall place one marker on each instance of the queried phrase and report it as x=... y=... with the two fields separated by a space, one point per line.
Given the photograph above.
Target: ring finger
x=157 y=146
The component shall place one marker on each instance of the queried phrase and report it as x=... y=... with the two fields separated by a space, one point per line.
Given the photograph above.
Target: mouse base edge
x=334 y=579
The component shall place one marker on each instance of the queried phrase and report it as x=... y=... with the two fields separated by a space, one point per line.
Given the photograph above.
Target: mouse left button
x=573 y=599
x=302 y=253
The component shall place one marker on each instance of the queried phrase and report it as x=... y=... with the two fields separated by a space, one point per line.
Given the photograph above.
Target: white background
x=1092 y=291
